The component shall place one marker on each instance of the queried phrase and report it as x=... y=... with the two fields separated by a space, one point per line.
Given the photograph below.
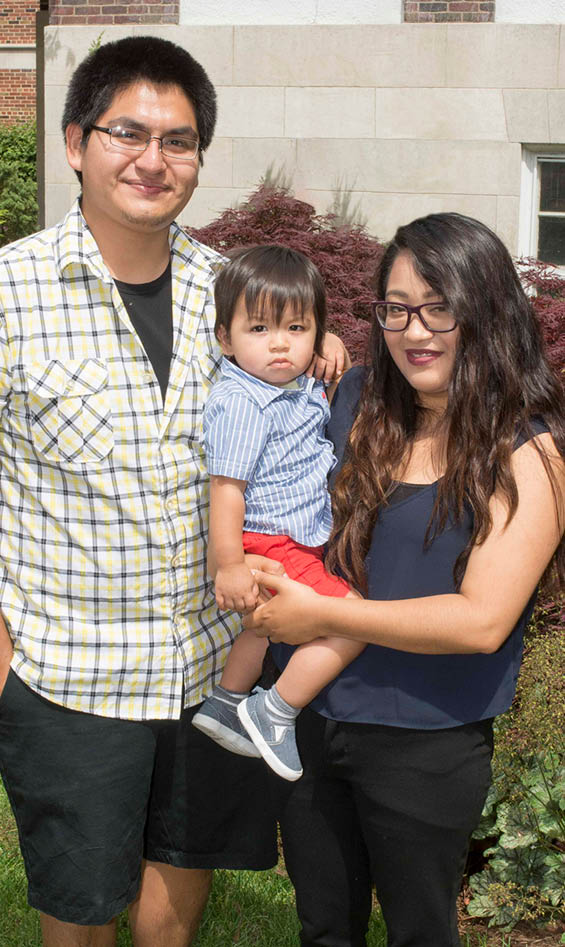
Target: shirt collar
x=261 y=391
x=76 y=246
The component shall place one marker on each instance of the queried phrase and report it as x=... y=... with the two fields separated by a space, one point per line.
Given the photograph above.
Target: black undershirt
x=404 y=490
x=150 y=308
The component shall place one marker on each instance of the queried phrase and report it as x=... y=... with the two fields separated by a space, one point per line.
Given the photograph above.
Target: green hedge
x=18 y=185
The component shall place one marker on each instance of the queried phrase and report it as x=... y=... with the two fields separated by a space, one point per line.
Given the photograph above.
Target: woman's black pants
x=387 y=806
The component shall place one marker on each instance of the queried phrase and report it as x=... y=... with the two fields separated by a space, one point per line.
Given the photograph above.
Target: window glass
x=551 y=211
x=552 y=186
x=551 y=240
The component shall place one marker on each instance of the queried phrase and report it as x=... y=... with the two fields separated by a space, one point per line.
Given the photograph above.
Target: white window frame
x=530 y=197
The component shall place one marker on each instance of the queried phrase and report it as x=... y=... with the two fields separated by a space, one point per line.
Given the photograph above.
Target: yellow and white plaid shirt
x=103 y=489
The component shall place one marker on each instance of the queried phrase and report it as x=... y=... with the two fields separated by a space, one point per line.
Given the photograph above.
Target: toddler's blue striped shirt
x=274 y=439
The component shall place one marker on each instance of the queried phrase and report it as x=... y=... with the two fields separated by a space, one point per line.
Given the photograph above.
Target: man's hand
x=6 y=652
x=236 y=588
x=333 y=361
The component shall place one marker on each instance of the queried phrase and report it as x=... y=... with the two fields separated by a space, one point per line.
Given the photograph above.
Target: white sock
x=278 y=709
x=232 y=697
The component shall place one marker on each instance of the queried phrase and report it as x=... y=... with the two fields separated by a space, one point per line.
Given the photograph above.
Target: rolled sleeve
x=235 y=434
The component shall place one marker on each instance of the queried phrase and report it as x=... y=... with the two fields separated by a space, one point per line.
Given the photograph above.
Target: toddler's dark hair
x=270 y=278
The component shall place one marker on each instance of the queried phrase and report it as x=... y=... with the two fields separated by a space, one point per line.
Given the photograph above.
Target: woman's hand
x=262 y=564
x=292 y=616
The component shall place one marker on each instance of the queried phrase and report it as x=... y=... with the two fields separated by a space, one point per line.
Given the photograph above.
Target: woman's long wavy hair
x=500 y=381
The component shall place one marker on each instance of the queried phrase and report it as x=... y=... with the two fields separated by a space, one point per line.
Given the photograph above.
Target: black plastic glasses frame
x=410 y=310
x=117 y=143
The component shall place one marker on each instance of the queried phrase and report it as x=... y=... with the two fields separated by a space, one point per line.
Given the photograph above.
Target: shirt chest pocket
x=68 y=409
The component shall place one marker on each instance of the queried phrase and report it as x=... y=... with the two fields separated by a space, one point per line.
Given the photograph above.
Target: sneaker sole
x=258 y=739
x=225 y=737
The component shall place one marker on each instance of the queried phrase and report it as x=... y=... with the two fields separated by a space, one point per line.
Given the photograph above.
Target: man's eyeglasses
x=136 y=139
x=396 y=317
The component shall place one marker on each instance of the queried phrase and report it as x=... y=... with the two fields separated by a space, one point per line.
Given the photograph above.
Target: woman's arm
x=235 y=586
x=333 y=361
x=501 y=576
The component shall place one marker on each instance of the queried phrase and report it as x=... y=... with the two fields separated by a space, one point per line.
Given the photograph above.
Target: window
x=551 y=215
x=542 y=207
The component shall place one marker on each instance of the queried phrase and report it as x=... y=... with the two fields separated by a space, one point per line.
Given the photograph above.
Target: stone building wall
x=336 y=106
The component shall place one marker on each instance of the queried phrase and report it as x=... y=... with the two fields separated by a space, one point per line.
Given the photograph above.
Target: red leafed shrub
x=549 y=304
x=346 y=256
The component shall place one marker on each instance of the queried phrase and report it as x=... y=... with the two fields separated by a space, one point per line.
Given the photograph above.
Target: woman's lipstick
x=421 y=356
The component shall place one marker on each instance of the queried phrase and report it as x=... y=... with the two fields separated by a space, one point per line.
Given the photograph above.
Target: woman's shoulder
x=527 y=431
x=345 y=404
x=352 y=382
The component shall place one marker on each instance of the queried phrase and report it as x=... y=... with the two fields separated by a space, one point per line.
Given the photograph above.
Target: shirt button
x=176 y=560
x=148 y=377
x=171 y=504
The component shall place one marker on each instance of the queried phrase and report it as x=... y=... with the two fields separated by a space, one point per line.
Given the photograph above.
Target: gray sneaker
x=218 y=719
x=276 y=739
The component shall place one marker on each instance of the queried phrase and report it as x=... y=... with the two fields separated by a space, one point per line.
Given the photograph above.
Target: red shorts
x=303 y=563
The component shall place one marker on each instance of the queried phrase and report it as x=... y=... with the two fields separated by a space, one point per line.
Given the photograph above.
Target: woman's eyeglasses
x=396 y=317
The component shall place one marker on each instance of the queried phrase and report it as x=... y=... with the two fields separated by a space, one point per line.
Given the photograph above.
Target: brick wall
x=449 y=11
x=17 y=86
x=17 y=95
x=81 y=12
x=17 y=21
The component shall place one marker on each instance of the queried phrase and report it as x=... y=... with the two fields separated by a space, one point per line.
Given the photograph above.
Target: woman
x=448 y=509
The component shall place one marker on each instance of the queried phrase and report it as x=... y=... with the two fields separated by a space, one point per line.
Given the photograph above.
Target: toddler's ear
x=224 y=341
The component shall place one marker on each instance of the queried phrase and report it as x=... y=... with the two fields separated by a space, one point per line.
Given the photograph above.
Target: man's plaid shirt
x=103 y=490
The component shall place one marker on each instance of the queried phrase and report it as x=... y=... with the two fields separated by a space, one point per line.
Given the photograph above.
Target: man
x=107 y=353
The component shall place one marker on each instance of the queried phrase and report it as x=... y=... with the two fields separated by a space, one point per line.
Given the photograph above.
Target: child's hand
x=270 y=566
x=292 y=615
x=236 y=588
x=334 y=360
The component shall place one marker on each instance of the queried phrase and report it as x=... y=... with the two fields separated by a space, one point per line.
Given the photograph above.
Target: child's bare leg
x=244 y=663
x=315 y=664
x=269 y=716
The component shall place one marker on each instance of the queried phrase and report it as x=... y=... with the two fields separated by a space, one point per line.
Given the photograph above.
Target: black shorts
x=92 y=796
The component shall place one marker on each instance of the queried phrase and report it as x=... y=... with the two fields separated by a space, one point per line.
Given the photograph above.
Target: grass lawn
x=250 y=909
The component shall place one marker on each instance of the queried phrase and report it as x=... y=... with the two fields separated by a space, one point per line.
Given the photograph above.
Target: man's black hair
x=114 y=66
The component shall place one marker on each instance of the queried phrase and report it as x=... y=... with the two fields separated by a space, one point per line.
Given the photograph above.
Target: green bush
x=524 y=817
x=18 y=185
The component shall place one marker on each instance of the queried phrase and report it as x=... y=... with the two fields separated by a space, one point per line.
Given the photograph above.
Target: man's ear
x=75 y=148
x=224 y=340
